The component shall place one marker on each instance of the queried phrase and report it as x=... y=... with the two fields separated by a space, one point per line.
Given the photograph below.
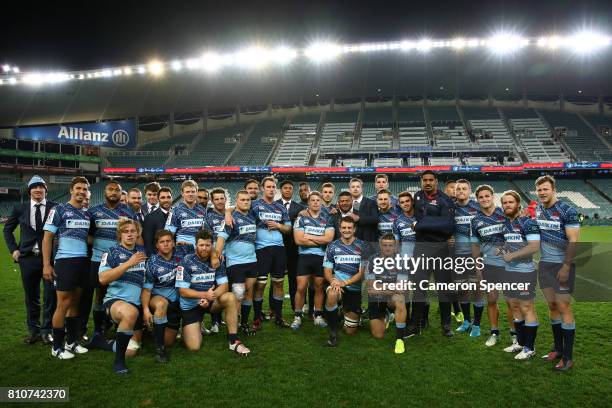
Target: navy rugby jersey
x=517 y=233
x=104 y=223
x=313 y=226
x=240 y=239
x=215 y=223
x=488 y=231
x=263 y=212
x=129 y=286
x=386 y=220
x=552 y=223
x=194 y=273
x=161 y=275
x=185 y=222
x=463 y=226
x=392 y=275
x=404 y=233
x=345 y=260
x=71 y=226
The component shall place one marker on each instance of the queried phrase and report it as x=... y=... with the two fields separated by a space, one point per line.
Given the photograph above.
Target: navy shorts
x=309 y=264
x=351 y=301
x=173 y=314
x=494 y=274
x=377 y=310
x=94 y=280
x=239 y=273
x=71 y=273
x=109 y=303
x=195 y=315
x=272 y=260
x=547 y=277
x=529 y=281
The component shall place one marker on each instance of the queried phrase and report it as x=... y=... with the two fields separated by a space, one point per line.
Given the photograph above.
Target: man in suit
x=134 y=201
x=31 y=217
x=365 y=213
x=151 y=191
x=344 y=209
x=156 y=220
x=293 y=209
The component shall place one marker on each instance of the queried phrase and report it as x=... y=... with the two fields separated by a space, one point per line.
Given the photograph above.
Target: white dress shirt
x=43 y=207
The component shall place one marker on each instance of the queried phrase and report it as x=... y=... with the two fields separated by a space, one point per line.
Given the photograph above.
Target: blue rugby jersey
x=393 y=200
x=392 y=275
x=263 y=212
x=326 y=210
x=104 y=223
x=240 y=239
x=463 y=226
x=313 y=226
x=71 y=226
x=405 y=234
x=129 y=286
x=552 y=222
x=345 y=260
x=194 y=273
x=516 y=235
x=161 y=276
x=386 y=220
x=185 y=222
x=488 y=231
x=214 y=222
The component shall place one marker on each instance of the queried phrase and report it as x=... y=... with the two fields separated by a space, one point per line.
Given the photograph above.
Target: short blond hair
x=123 y=222
x=189 y=183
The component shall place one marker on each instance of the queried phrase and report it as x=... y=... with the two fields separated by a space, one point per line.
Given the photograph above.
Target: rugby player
x=159 y=295
x=104 y=220
x=70 y=222
x=487 y=238
x=303 y=191
x=381 y=182
x=465 y=211
x=328 y=190
x=122 y=269
x=560 y=231
x=205 y=288
x=311 y=233
x=402 y=225
x=387 y=212
x=123 y=198
x=203 y=197
x=252 y=186
x=522 y=240
x=237 y=245
x=343 y=268
x=449 y=190
x=382 y=300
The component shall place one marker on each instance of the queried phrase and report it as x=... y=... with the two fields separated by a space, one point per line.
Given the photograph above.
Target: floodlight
x=156 y=68
x=323 y=51
x=506 y=43
x=586 y=42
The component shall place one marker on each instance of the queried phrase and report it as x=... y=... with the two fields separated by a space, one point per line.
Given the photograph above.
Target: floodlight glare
x=506 y=43
x=142 y=70
x=283 y=55
x=127 y=71
x=12 y=81
x=156 y=68
x=424 y=45
x=6 y=68
x=16 y=70
x=33 y=79
x=252 y=57
x=585 y=42
x=211 y=61
x=177 y=65
x=323 y=51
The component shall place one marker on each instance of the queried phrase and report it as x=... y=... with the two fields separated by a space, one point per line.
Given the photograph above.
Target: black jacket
x=435 y=219
x=153 y=222
x=21 y=217
x=367 y=226
x=294 y=210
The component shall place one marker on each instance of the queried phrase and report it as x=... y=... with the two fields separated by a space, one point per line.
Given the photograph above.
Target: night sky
x=80 y=35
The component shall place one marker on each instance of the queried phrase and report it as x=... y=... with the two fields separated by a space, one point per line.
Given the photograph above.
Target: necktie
x=140 y=217
x=153 y=208
x=288 y=204
x=38 y=218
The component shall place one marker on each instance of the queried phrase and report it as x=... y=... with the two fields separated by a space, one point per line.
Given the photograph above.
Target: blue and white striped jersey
x=129 y=286
x=553 y=222
x=71 y=226
x=161 y=275
x=197 y=274
x=517 y=233
x=104 y=223
x=488 y=231
x=185 y=222
x=263 y=212
x=313 y=226
x=463 y=226
x=346 y=259
x=240 y=239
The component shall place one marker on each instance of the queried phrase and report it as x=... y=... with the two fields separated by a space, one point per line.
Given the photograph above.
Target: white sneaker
x=513 y=348
x=76 y=348
x=61 y=354
x=492 y=340
x=214 y=328
x=320 y=322
x=297 y=322
x=203 y=328
x=525 y=354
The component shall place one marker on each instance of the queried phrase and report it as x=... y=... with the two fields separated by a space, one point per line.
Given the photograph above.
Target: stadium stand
x=339 y=131
x=413 y=137
x=323 y=162
x=601 y=124
x=487 y=127
x=256 y=150
x=296 y=143
x=167 y=144
x=579 y=137
x=375 y=138
x=535 y=138
x=387 y=162
x=211 y=150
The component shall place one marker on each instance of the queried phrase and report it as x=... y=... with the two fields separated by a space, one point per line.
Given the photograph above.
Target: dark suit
x=145 y=208
x=367 y=226
x=153 y=222
x=31 y=266
x=291 y=250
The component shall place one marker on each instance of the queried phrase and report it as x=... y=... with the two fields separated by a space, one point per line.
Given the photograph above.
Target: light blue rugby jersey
x=194 y=273
x=185 y=222
x=240 y=239
x=405 y=234
x=129 y=286
x=488 y=232
x=263 y=212
x=345 y=260
x=313 y=226
x=71 y=226
x=215 y=223
x=552 y=223
x=104 y=223
x=161 y=276
x=517 y=233
x=463 y=226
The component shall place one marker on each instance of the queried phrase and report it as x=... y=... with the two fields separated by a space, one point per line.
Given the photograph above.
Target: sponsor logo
x=464 y=219
x=347 y=259
x=314 y=230
x=77 y=133
x=193 y=222
x=491 y=230
x=385 y=226
x=513 y=237
x=269 y=216
x=247 y=229
x=104 y=259
x=50 y=216
x=107 y=223
x=549 y=225
x=202 y=277
x=179 y=273
x=120 y=138
x=77 y=223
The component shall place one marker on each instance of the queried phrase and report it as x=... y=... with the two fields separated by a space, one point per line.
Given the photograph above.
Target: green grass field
x=293 y=369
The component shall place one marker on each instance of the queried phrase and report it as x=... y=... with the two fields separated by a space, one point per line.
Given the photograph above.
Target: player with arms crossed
x=560 y=232
x=343 y=267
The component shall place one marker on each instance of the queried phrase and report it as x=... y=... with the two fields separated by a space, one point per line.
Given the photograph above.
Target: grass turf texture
x=293 y=369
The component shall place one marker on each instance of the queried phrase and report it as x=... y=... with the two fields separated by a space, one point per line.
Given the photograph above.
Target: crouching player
x=343 y=267
x=122 y=268
x=522 y=240
x=203 y=288
x=382 y=299
x=160 y=296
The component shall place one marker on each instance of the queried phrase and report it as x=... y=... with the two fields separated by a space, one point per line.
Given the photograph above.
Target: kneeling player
x=159 y=295
x=381 y=300
x=203 y=288
x=522 y=240
x=122 y=268
x=343 y=271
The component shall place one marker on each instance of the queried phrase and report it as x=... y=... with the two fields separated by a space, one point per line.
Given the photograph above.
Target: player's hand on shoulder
x=137 y=258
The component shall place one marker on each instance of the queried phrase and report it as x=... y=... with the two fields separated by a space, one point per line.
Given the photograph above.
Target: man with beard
x=156 y=220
